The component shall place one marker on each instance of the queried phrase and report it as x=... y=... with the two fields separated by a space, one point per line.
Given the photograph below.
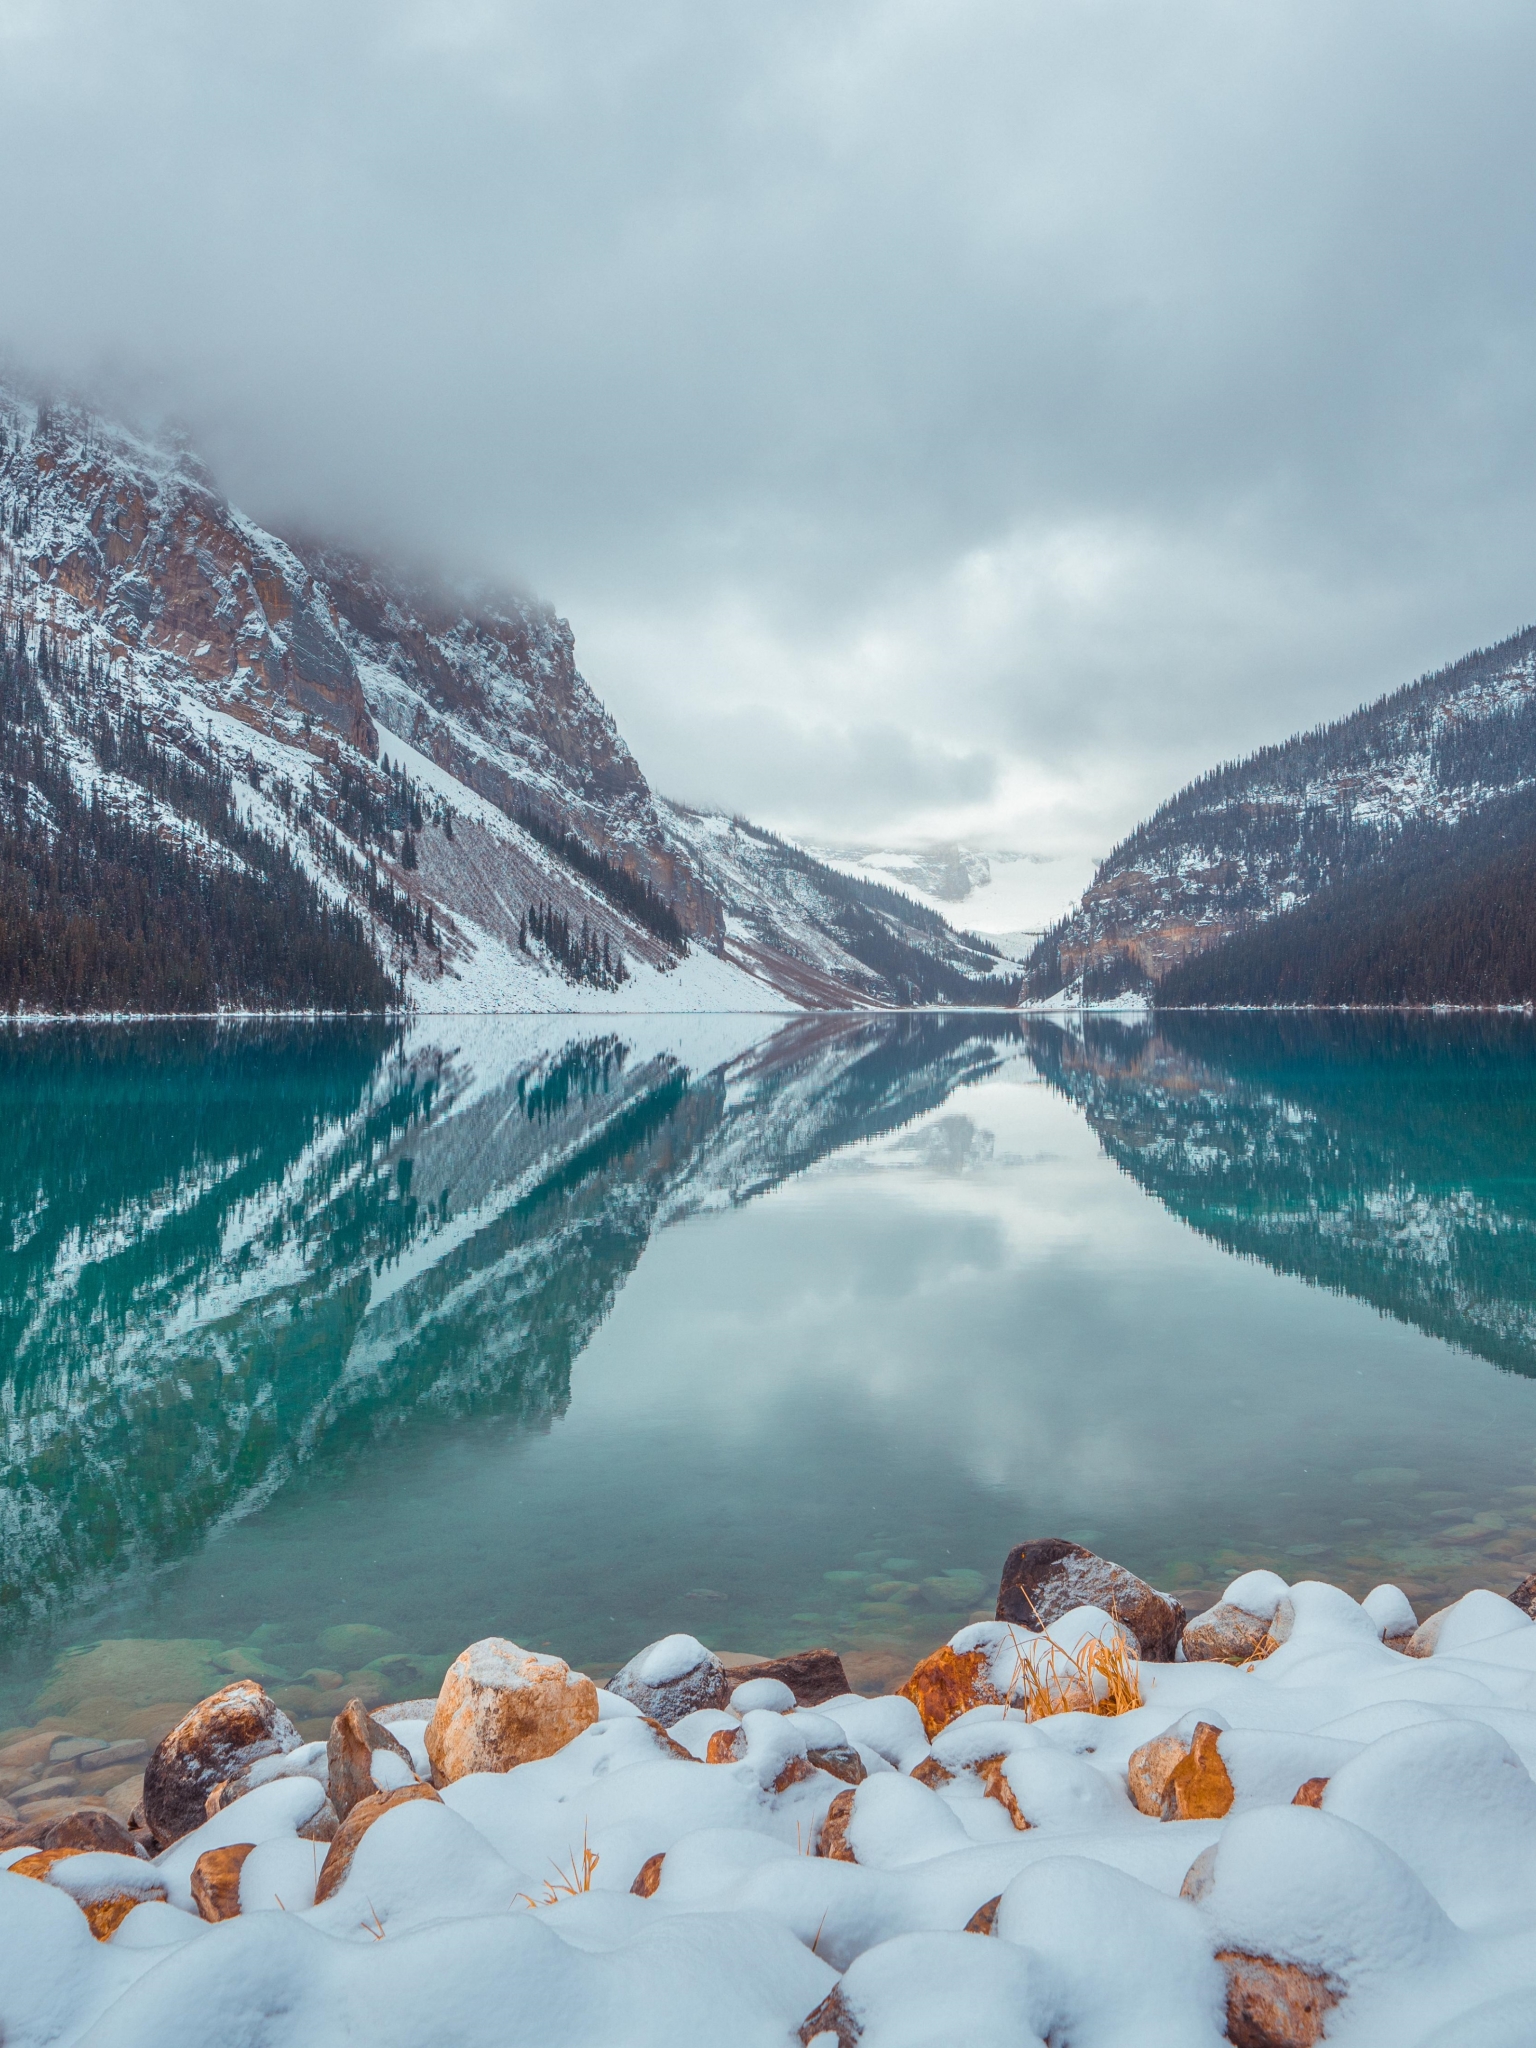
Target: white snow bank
x=504 y=1914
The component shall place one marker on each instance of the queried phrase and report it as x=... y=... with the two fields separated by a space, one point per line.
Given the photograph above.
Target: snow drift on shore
x=1402 y=1890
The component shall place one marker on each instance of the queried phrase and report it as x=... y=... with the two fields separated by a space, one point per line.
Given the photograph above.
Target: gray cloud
x=1016 y=405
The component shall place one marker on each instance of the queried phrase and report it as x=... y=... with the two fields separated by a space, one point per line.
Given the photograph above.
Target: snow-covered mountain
x=1263 y=835
x=431 y=763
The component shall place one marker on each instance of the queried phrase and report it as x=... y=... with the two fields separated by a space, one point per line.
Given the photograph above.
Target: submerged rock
x=221 y=1737
x=501 y=1706
x=678 y=1676
x=1046 y=1579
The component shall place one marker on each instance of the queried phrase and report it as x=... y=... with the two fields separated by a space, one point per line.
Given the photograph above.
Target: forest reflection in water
x=290 y=1317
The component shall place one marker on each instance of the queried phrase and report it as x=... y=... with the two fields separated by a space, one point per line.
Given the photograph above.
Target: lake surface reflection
x=324 y=1350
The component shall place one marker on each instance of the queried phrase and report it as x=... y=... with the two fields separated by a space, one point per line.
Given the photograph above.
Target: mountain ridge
x=1257 y=839
x=431 y=763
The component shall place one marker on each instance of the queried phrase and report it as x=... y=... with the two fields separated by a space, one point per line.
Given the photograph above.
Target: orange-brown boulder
x=834 y=2017
x=993 y=1776
x=644 y=1886
x=932 y=1773
x=501 y=1706
x=794 y=1772
x=1046 y=1579
x=984 y=1919
x=726 y=1746
x=838 y=1760
x=42 y=1862
x=1311 y=1793
x=349 y=1751
x=338 y=1859
x=222 y=1736
x=1227 y=1635
x=1178 y=1780
x=949 y=1683
x=107 y=1896
x=832 y=1840
x=1198 y=1786
x=1150 y=1768
x=216 y=1880
x=1274 y=2005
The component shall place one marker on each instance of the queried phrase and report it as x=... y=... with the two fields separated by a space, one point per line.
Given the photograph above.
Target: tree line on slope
x=915 y=952
x=104 y=907
x=1446 y=915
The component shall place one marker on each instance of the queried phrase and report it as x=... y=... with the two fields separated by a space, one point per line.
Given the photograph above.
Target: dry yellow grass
x=1095 y=1678
x=567 y=1884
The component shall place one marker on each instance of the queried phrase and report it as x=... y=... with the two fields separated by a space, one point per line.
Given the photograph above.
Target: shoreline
x=1087 y=1816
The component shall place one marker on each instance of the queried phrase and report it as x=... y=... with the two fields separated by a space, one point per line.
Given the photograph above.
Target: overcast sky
x=970 y=417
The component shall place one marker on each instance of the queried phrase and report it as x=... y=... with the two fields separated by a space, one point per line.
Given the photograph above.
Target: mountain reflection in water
x=227 y=1253
x=1389 y=1158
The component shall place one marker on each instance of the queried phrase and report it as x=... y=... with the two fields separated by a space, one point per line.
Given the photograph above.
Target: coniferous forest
x=169 y=903
x=1447 y=914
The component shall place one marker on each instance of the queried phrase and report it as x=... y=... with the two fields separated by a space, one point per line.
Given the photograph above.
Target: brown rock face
x=644 y=1886
x=1274 y=2005
x=832 y=2016
x=88 y=1828
x=1311 y=1793
x=107 y=1904
x=949 y=1683
x=833 y=1838
x=221 y=1736
x=338 y=1862
x=322 y=1824
x=1044 y=1580
x=839 y=1760
x=1524 y=1596
x=216 y=1880
x=995 y=1778
x=501 y=1706
x=726 y=1746
x=1150 y=1768
x=813 y=1676
x=1198 y=1787
x=932 y=1773
x=1224 y=1635
x=354 y=1736
x=984 y=1919
x=795 y=1772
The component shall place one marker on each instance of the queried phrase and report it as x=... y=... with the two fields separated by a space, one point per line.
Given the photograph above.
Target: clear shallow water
x=323 y=1352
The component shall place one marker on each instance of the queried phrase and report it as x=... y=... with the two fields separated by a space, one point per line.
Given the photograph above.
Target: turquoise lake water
x=327 y=1349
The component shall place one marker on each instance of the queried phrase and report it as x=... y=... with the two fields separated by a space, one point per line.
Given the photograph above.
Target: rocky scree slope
x=430 y=764
x=1258 y=838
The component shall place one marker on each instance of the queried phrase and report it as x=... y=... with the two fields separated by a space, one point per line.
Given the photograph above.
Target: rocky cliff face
x=1265 y=834
x=361 y=716
x=432 y=759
